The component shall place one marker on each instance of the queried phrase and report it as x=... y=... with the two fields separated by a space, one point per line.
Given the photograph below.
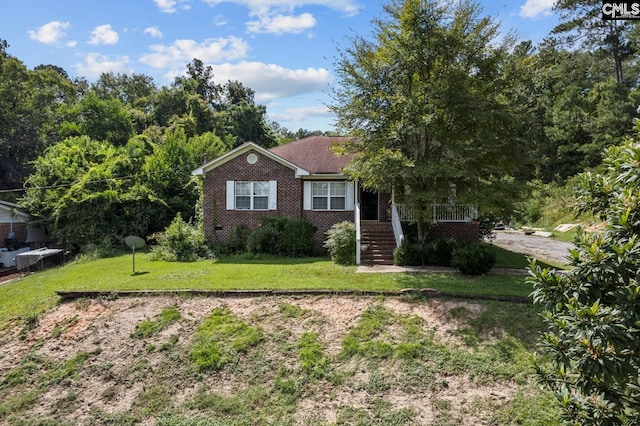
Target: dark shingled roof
x=314 y=155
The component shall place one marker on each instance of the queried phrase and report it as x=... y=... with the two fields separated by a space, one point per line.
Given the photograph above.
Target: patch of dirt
x=119 y=369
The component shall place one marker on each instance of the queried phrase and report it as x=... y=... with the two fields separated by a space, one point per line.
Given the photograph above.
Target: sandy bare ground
x=112 y=381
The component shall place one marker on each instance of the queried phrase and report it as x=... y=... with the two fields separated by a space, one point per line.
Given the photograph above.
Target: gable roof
x=314 y=154
x=242 y=149
x=307 y=156
x=10 y=212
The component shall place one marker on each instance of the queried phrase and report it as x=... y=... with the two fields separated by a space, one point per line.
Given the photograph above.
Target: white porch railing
x=441 y=213
x=358 y=234
x=397 y=225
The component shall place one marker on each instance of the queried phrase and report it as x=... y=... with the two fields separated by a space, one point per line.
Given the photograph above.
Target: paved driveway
x=539 y=247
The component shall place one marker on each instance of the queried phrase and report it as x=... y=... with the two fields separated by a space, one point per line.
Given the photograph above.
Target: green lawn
x=35 y=293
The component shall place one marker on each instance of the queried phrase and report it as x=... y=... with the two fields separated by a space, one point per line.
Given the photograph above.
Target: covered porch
x=379 y=224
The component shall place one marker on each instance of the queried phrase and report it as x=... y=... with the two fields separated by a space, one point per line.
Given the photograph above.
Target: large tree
x=29 y=114
x=581 y=24
x=427 y=101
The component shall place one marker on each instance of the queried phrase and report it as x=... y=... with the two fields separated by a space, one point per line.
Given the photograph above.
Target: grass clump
x=311 y=358
x=150 y=327
x=220 y=338
x=371 y=338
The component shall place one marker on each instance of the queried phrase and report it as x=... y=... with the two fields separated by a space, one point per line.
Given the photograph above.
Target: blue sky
x=283 y=49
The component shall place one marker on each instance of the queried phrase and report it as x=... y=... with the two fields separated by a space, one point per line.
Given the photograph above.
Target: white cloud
x=348 y=7
x=95 y=64
x=220 y=21
x=271 y=81
x=103 y=34
x=50 y=32
x=534 y=8
x=153 y=32
x=181 y=52
x=169 y=6
x=301 y=113
x=277 y=16
x=280 y=24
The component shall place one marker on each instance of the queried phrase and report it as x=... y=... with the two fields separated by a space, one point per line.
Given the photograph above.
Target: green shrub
x=431 y=253
x=264 y=240
x=282 y=236
x=101 y=249
x=408 y=254
x=180 y=242
x=439 y=252
x=341 y=243
x=296 y=239
x=237 y=242
x=473 y=258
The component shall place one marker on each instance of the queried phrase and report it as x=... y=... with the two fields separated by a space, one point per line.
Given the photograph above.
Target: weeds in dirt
x=382 y=413
x=284 y=364
x=289 y=310
x=220 y=338
x=312 y=361
x=150 y=327
x=64 y=370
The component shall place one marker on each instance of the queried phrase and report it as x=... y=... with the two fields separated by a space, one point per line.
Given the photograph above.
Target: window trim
x=271 y=195
x=329 y=195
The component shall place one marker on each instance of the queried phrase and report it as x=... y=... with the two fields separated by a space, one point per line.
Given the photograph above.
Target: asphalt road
x=542 y=248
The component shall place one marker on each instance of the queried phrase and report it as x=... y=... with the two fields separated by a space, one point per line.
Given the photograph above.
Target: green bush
x=282 y=236
x=473 y=258
x=103 y=248
x=237 y=242
x=180 y=242
x=408 y=254
x=264 y=240
x=439 y=252
x=590 y=348
x=341 y=243
x=431 y=253
x=296 y=235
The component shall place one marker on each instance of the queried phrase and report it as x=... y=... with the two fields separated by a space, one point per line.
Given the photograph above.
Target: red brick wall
x=216 y=214
x=324 y=221
x=19 y=228
x=220 y=223
x=456 y=230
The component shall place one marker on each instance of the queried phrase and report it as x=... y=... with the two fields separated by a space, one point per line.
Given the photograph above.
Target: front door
x=368 y=204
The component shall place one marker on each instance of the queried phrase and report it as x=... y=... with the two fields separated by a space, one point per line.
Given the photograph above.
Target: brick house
x=13 y=223
x=303 y=179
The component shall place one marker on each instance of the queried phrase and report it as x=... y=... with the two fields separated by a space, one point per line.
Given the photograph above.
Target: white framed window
x=328 y=195
x=251 y=195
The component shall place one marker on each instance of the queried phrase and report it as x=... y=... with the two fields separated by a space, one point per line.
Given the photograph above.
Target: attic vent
x=252 y=158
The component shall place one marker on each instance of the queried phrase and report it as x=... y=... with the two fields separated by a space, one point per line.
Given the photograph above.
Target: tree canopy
x=427 y=101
